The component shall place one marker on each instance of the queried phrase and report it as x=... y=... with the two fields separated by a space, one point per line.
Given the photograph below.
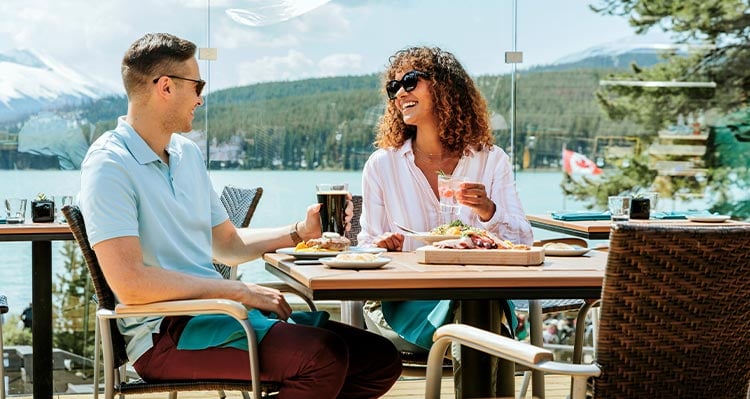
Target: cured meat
x=478 y=240
x=456 y=243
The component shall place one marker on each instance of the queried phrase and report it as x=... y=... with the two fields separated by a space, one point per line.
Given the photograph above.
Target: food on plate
x=356 y=257
x=471 y=238
x=558 y=245
x=329 y=242
x=454 y=228
x=479 y=239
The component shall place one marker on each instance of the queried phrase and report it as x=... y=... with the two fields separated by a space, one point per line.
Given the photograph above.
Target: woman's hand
x=390 y=241
x=475 y=197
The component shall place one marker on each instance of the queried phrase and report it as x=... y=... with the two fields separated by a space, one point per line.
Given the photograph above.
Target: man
x=156 y=224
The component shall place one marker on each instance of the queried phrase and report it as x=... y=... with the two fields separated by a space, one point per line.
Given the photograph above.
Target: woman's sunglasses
x=408 y=82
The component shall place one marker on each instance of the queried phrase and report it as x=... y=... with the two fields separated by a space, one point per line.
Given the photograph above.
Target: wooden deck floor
x=556 y=387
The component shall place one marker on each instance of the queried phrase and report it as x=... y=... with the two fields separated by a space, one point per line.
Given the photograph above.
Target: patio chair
x=115 y=357
x=673 y=315
x=240 y=204
x=355 y=226
x=3 y=311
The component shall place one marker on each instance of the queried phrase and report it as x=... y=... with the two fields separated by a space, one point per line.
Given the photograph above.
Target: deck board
x=556 y=387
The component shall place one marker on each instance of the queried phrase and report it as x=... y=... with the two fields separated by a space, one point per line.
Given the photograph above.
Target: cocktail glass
x=447 y=187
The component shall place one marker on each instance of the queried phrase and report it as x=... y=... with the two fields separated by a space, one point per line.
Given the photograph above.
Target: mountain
x=31 y=82
x=644 y=50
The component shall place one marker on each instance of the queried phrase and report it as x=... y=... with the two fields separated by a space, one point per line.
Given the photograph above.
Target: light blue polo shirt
x=126 y=190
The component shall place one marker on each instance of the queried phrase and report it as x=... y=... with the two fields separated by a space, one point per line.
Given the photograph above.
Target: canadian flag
x=575 y=163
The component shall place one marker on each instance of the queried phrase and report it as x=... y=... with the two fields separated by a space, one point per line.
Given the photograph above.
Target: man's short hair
x=153 y=55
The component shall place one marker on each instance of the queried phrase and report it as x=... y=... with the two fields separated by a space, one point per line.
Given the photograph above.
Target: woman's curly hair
x=459 y=106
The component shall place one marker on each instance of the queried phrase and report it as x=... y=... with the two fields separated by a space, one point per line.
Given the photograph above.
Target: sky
x=338 y=37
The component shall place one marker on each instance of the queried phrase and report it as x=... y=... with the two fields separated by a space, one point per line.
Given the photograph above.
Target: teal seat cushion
x=222 y=331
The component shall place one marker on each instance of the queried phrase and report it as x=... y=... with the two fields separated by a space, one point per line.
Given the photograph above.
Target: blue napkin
x=222 y=331
x=580 y=215
x=677 y=214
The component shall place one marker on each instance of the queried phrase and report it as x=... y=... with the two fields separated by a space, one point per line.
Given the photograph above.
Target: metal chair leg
x=351 y=313
x=2 y=362
x=97 y=349
x=524 y=385
x=3 y=311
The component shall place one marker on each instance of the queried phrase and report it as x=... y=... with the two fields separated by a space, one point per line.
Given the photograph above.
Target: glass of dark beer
x=333 y=198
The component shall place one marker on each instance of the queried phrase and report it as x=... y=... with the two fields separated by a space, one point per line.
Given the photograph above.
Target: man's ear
x=163 y=87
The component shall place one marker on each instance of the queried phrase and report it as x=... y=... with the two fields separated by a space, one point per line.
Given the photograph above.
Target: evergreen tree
x=717 y=38
x=73 y=315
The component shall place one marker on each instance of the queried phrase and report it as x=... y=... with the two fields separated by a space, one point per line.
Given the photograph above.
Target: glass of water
x=60 y=202
x=619 y=208
x=15 y=210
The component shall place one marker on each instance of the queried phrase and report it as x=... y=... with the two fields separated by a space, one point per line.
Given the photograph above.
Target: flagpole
x=562 y=165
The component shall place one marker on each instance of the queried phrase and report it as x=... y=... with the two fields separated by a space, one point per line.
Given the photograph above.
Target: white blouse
x=395 y=190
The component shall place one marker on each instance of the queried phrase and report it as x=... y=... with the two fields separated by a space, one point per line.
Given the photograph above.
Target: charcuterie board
x=511 y=257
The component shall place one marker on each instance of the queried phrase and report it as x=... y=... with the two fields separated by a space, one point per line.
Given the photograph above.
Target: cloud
x=294 y=65
x=231 y=36
x=341 y=64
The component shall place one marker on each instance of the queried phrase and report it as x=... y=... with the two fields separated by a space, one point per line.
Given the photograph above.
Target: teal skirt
x=416 y=321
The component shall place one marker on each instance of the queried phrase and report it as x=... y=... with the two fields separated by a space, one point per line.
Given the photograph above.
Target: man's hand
x=269 y=300
x=310 y=227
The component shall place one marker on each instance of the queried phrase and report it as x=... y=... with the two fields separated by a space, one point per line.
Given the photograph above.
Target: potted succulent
x=640 y=207
x=42 y=209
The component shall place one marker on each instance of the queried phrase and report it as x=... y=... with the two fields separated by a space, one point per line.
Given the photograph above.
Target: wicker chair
x=673 y=316
x=240 y=204
x=115 y=357
x=3 y=311
x=356 y=227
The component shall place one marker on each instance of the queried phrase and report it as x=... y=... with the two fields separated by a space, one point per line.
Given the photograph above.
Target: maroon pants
x=335 y=361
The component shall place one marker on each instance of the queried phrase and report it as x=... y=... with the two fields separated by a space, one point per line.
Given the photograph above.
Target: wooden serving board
x=513 y=257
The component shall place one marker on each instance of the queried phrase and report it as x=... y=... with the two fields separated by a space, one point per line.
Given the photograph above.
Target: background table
x=473 y=285
x=41 y=236
x=599 y=229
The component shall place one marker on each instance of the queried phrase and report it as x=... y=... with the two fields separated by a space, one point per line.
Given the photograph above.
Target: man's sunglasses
x=199 y=84
x=408 y=82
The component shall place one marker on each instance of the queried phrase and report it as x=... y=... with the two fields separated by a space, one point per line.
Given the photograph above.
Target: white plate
x=430 y=238
x=351 y=264
x=708 y=218
x=575 y=251
x=321 y=254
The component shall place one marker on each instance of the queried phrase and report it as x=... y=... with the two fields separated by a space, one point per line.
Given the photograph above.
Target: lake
x=286 y=195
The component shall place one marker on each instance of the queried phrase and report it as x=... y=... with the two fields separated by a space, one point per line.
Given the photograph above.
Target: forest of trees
x=330 y=123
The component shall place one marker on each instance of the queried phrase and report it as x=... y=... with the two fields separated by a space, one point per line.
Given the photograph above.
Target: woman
x=435 y=122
